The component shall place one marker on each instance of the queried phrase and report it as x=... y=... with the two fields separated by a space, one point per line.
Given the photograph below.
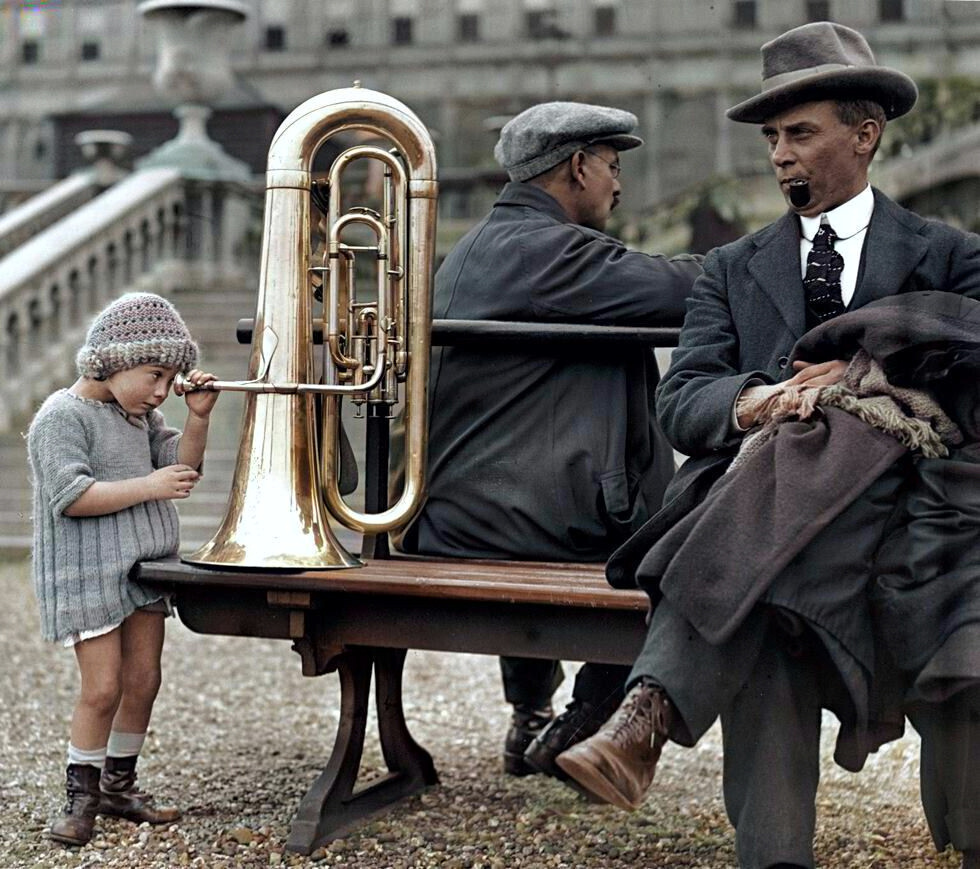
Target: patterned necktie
x=822 y=282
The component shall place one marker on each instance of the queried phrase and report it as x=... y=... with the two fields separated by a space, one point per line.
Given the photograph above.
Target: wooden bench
x=360 y=621
x=364 y=619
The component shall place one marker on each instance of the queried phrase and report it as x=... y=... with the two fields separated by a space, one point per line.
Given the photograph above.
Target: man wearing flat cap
x=767 y=620
x=542 y=455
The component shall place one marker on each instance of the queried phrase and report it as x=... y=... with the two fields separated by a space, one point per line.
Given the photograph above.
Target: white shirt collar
x=847 y=219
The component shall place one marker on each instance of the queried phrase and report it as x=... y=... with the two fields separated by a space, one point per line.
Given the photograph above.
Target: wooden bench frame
x=361 y=621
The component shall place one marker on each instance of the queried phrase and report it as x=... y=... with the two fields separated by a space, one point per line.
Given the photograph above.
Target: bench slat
x=524 y=582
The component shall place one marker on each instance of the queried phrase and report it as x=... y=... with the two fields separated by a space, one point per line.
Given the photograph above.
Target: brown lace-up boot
x=74 y=827
x=121 y=797
x=618 y=763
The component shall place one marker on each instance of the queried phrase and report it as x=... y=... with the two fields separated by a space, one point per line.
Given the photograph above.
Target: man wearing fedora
x=808 y=643
x=537 y=454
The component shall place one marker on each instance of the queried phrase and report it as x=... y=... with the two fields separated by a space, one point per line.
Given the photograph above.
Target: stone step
x=15 y=545
x=15 y=521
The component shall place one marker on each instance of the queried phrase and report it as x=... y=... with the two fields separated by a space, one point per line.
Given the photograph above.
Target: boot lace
x=644 y=715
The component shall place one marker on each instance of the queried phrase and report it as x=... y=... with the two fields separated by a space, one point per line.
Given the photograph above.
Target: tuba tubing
x=276 y=516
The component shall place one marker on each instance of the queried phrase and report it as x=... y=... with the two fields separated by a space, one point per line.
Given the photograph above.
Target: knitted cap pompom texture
x=136 y=329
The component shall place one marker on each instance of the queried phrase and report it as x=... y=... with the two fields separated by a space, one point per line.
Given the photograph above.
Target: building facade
x=465 y=66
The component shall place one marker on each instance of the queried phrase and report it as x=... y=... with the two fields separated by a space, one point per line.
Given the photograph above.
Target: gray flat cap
x=542 y=136
x=823 y=61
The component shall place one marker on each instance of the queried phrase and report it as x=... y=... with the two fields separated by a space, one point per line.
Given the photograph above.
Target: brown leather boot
x=618 y=763
x=122 y=799
x=74 y=827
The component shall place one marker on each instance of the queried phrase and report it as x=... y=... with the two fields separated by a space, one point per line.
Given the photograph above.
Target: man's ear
x=868 y=134
x=576 y=169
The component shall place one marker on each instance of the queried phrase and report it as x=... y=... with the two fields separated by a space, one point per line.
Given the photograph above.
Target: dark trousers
x=769 y=690
x=949 y=768
x=769 y=685
x=531 y=682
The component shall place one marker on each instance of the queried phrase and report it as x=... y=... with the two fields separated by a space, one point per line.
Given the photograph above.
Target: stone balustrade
x=40 y=211
x=52 y=285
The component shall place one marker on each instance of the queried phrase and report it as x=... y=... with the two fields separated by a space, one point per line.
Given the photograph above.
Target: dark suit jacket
x=549 y=456
x=746 y=314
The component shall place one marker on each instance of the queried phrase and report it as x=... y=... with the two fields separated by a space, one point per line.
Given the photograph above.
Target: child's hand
x=200 y=401
x=173 y=481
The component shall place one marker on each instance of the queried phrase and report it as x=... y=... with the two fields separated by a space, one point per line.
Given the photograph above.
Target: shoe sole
x=547 y=766
x=515 y=765
x=596 y=784
x=139 y=819
x=65 y=840
x=541 y=760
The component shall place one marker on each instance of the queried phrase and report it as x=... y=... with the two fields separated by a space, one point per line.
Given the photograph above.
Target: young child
x=105 y=468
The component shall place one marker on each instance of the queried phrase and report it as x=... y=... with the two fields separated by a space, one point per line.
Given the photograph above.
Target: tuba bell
x=285 y=484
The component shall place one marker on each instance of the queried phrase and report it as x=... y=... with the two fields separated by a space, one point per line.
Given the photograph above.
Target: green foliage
x=944 y=104
x=667 y=226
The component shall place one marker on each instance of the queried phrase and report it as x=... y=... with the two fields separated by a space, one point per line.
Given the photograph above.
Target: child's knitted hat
x=136 y=329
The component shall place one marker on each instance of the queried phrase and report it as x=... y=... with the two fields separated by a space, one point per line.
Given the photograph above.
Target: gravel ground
x=238 y=735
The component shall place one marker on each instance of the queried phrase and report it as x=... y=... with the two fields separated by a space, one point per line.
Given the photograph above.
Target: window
x=743 y=14
x=542 y=24
x=605 y=20
x=401 y=30
x=92 y=23
x=468 y=27
x=818 y=10
x=338 y=38
x=275 y=38
x=30 y=51
x=891 y=10
x=536 y=22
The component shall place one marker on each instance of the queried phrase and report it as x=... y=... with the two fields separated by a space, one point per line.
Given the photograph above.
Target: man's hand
x=758 y=405
x=814 y=374
x=755 y=403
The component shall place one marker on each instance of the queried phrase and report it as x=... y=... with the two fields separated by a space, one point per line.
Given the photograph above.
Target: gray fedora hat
x=542 y=136
x=823 y=61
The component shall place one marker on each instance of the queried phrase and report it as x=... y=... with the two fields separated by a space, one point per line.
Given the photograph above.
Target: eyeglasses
x=613 y=165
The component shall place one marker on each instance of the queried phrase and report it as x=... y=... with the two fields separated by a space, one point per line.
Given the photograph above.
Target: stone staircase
x=211 y=317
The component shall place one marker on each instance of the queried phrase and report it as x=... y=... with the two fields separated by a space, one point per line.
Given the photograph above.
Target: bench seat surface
x=573 y=585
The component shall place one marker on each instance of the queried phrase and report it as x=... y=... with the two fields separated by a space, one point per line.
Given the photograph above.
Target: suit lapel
x=892 y=249
x=776 y=270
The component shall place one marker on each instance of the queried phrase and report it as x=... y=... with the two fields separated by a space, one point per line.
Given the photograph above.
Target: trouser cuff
x=964 y=829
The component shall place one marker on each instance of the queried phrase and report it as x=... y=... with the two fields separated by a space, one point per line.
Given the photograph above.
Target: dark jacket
x=745 y=316
x=551 y=456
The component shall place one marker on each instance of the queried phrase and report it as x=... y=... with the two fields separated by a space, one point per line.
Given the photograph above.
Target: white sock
x=94 y=757
x=125 y=744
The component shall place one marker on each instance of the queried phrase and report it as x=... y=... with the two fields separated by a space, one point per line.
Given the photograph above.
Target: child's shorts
x=164 y=605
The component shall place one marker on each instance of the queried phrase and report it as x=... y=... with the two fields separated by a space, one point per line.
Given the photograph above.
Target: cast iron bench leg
x=332 y=807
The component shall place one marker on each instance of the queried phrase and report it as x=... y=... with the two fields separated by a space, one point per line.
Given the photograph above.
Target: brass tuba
x=377 y=350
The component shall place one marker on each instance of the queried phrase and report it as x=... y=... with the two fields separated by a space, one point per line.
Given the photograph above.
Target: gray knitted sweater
x=81 y=565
